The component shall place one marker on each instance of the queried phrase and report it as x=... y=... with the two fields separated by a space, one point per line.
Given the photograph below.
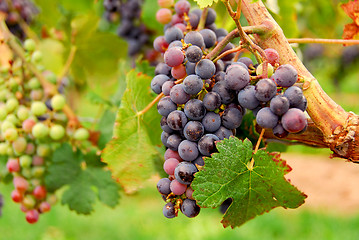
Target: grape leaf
x=205 y=3
x=253 y=189
x=81 y=195
x=131 y=151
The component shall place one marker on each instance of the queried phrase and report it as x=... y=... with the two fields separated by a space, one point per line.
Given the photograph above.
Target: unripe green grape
x=26 y=172
x=43 y=150
x=40 y=130
x=81 y=134
x=57 y=132
x=10 y=134
x=29 y=45
x=12 y=83
x=37 y=94
x=51 y=77
x=34 y=83
x=6 y=125
x=19 y=145
x=3 y=112
x=29 y=201
x=36 y=57
x=58 y=102
x=12 y=118
x=38 y=172
x=11 y=104
x=22 y=113
x=259 y=70
x=3 y=94
x=38 y=108
x=25 y=161
x=4 y=148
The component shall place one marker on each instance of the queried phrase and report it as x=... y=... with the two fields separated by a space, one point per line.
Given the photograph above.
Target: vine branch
x=323 y=41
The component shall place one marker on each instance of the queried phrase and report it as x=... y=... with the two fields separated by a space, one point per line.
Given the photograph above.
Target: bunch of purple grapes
x=130 y=28
x=205 y=101
x=18 y=10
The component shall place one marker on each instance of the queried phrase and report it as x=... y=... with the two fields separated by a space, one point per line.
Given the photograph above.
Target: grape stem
x=202 y=20
x=237 y=49
x=323 y=41
x=67 y=66
x=251 y=164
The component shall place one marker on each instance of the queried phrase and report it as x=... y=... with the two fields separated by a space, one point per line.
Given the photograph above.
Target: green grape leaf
x=205 y=3
x=64 y=168
x=105 y=126
x=131 y=151
x=288 y=17
x=254 y=189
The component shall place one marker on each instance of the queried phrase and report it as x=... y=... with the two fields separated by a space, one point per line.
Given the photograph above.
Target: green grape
x=51 y=77
x=10 y=134
x=34 y=83
x=12 y=118
x=43 y=150
x=4 y=148
x=3 y=112
x=29 y=201
x=38 y=108
x=26 y=172
x=25 y=161
x=57 y=132
x=19 y=145
x=259 y=70
x=38 y=171
x=36 y=57
x=22 y=113
x=58 y=102
x=81 y=134
x=11 y=104
x=6 y=125
x=29 y=45
x=40 y=130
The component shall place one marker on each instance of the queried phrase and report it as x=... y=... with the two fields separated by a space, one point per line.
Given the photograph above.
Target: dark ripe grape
x=169 y=166
x=164 y=137
x=190 y=68
x=163 y=68
x=160 y=44
x=237 y=63
x=163 y=186
x=206 y=145
x=173 y=34
x=285 y=75
x=237 y=77
x=173 y=141
x=178 y=188
x=227 y=95
x=157 y=82
x=279 y=131
x=169 y=210
x=184 y=172
x=194 y=38
x=176 y=43
x=302 y=105
x=219 y=76
x=176 y=19
x=192 y=84
x=247 y=98
x=164 y=15
x=189 y=193
x=199 y=161
x=181 y=26
x=189 y=208
x=294 y=120
x=272 y=56
x=230 y=56
x=194 y=54
x=211 y=16
x=205 y=69
x=194 y=109
x=247 y=61
x=167 y=86
x=294 y=95
x=219 y=66
x=212 y=101
x=178 y=72
x=178 y=95
x=182 y=7
x=232 y=118
x=223 y=133
x=265 y=90
x=209 y=37
x=220 y=32
x=172 y=154
x=176 y=120
x=188 y=150
x=198 y=12
x=173 y=57
x=193 y=20
x=193 y=131
x=225 y=205
x=266 y=118
x=164 y=125
x=211 y=122
x=165 y=106
x=279 y=105
x=212 y=27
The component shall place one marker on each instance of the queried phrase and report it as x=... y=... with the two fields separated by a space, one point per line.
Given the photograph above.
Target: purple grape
x=279 y=105
x=237 y=77
x=247 y=98
x=232 y=118
x=199 y=161
x=189 y=208
x=279 y=131
x=265 y=90
x=188 y=150
x=163 y=186
x=266 y=118
x=211 y=16
x=164 y=125
x=192 y=84
x=165 y=106
x=194 y=54
x=173 y=34
x=190 y=68
x=169 y=166
x=194 y=38
x=193 y=131
x=194 y=109
x=176 y=43
x=294 y=95
x=169 y=210
x=223 y=133
x=157 y=83
x=247 y=61
x=227 y=95
x=205 y=69
x=167 y=86
x=285 y=75
x=211 y=122
x=178 y=95
x=173 y=57
x=184 y=172
x=176 y=120
x=294 y=120
x=220 y=32
x=206 y=145
x=209 y=37
x=164 y=137
x=212 y=101
x=173 y=141
x=163 y=68
x=182 y=7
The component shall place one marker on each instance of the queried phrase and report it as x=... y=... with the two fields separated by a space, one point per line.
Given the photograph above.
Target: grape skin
x=169 y=166
x=205 y=69
x=294 y=120
x=232 y=118
x=285 y=75
x=192 y=84
x=173 y=34
x=165 y=106
x=247 y=98
x=157 y=83
x=193 y=131
x=206 y=145
x=178 y=95
x=176 y=120
x=212 y=101
x=266 y=118
x=223 y=133
x=194 y=38
x=189 y=208
x=195 y=109
x=279 y=105
x=294 y=95
x=237 y=77
x=194 y=54
x=209 y=37
x=227 y=95
x=265 y=90
x=184 y=172
x=188 y=150
x=169 y=210
x=173 y=57
x=173 y=141
x=211 y=122
x=177 y=188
